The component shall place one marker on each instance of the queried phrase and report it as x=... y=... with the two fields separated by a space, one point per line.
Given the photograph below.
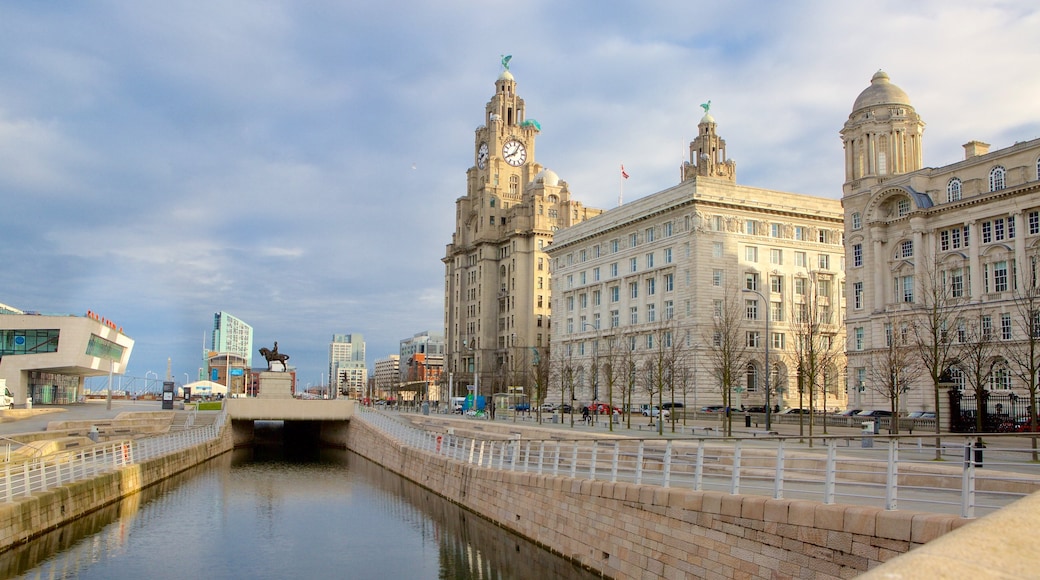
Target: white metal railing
x=897 y=473
x=45 y=472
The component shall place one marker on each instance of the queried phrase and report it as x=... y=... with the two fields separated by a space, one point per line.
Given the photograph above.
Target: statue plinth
x=275 y=385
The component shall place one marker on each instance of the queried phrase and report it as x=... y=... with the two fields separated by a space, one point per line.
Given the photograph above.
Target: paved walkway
x=22 y=420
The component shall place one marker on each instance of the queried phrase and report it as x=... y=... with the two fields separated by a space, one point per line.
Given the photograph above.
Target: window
x=825 y=261
x=905 y=289
x=776 y=230
x=716 y=223
x=649 y=341
x=716 y=249
x=582 y=255
x=649 y=235
x=800 y=260
x=614 y=246
x=716 y=308
x=749 y=227
x=776 y=256
x=799 y=286
x=1000 y=276
x=651 y=313
x=633 y=240
x=753 y=339
x=582 y=278
x=633 y=264
x=669 y=282
x=956 y=279
x=903 y=206
x=987 y=329
x=953 y=190
x=595 y=274
x=651 y=286
x=650 y=260
x=823 y=287
x=667 y=227
x=669 y=310
x=667 y=255
x=1005 y=326
x=799 y=233
x=716 y=277
x=906 y=249
x=996 y=178
x=1000 y=379
x=751 y=309
x=751 y=281
x=615 y=318
x=633 y=289
x=633 y=315
x=751 y=254
x=857 y=295
x=583 y=300
x=596 y=298
x=776 y=311
x=776 y=284
x=823 y=236
x=613 y=270
x=858 y=338
x=953 y=239
x=857 y=220
x=1034 y=222
x=778 y=340
x=570 y=304
x=615 y=293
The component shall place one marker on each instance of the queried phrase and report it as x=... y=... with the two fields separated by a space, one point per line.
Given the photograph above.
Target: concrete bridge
x=324 y=421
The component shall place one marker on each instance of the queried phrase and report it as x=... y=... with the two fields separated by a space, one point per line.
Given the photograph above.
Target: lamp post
x=476 y=375
x=595 y=371
x=146 y=378
x=769 y=410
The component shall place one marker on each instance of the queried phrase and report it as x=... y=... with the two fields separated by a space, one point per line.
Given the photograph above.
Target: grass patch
x=209 y=406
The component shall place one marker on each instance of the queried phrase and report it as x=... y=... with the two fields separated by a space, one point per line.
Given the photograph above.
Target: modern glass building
x=231 y=335
x=47 y=357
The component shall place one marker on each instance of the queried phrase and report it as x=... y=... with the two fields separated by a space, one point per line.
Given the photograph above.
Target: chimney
x=975 y=148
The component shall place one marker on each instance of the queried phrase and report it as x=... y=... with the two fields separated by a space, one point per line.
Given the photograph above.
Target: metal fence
x=890 y=472
x=46 y=472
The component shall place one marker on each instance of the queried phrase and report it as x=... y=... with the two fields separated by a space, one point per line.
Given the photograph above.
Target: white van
x=7 y=399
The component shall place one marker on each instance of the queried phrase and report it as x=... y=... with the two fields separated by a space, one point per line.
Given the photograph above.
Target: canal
x=261 y=513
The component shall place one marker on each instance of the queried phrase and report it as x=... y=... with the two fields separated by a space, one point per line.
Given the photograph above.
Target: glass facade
x=30 y=341
x=54 y=388
x=103 y=348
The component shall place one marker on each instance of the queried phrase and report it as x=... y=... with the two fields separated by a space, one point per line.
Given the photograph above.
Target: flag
x=623 y=174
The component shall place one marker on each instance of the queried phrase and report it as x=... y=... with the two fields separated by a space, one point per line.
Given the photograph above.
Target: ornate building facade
x=958 y=242
x=496 y=272
x=657 y=274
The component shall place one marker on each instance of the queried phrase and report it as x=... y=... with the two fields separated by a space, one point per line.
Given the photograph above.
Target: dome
x=505 y=76
x=880 y=92
x=548 y=177
x=707 y=119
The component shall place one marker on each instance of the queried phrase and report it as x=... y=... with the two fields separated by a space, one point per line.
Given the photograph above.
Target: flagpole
x=621 y=187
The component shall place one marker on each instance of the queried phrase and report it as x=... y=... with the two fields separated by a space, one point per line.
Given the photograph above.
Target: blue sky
x=296 y=163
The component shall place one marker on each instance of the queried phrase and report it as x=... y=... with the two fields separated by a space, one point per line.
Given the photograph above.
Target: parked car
x=565 y=408
x=874 y=413
x=522 y=407
x=602 y=409
x=849 y=412
x=655 y=411
x=713 y=409
x=794 y=411
x=548 y=407
x=670 y=405
x=921 y=415
x=755 y=409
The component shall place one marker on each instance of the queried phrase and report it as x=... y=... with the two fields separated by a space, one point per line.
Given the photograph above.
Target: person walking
x=585 y=415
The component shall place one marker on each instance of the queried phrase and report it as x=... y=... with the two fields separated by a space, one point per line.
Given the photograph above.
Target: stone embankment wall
x=623 y=530
x=25 y=518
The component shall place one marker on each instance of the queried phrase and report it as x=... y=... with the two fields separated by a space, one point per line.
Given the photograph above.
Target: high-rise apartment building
x=387 y=377
x=653 y=279
x=954 y=248
x=496 y=292
x=347 y=370
x=232 y=336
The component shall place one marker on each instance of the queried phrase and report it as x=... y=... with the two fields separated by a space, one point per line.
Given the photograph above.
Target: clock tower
x=497 y=295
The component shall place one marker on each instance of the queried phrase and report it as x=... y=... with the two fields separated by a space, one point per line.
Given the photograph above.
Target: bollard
x=978 y=453
x=868 y=432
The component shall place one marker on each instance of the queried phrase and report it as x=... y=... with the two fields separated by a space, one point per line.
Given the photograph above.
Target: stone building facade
x=958 y=241
x=659 y=272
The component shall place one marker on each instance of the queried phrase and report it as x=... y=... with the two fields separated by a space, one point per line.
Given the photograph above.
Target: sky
x=296 y=163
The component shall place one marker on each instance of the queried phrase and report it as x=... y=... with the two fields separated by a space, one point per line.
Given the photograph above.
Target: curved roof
x=548 y=177
x=881 y=92
x=506 y=75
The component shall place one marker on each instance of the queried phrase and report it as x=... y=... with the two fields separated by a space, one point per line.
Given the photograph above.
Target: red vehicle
x=602 y=409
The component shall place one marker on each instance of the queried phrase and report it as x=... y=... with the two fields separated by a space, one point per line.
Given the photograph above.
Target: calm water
x=259 y=514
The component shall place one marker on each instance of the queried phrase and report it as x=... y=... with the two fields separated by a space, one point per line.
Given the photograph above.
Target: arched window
x=953 y=190
x=996 y=178
x=1000 y=378
x=752 y=378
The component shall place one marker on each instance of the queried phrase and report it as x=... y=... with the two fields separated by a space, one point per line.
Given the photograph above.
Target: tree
x=891 y=367
x=1025 y=354
x=816 y=352
x=727 y=347
x=976 y=348
x=933 y=309
x=540 y=365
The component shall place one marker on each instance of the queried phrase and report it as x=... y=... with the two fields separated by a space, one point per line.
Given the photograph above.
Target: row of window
x=776 y=257
x=613 y=270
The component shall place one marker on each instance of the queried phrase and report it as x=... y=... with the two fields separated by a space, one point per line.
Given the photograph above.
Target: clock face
x=514 y=153
x=482 y=155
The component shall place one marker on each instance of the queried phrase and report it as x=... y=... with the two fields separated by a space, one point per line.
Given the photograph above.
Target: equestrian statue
x=272 y=355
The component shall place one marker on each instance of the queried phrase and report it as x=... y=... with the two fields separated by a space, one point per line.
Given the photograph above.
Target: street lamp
x=769 y=410
x=146 y=378
x=476 y=376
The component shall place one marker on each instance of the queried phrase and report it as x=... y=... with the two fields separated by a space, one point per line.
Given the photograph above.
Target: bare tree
x=1025 y=354
x=727 y=347
x=540 y=365
x=816 y=352
x=891 y=367
x=976 y=349
x=934 y=308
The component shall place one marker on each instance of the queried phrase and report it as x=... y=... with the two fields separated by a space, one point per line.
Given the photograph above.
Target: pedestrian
x=585 y=415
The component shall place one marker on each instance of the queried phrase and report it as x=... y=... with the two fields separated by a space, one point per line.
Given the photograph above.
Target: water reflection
x=263 y=514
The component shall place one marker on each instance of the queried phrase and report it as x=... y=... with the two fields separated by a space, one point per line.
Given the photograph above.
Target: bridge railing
x=896 y=473
x=45 y=472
